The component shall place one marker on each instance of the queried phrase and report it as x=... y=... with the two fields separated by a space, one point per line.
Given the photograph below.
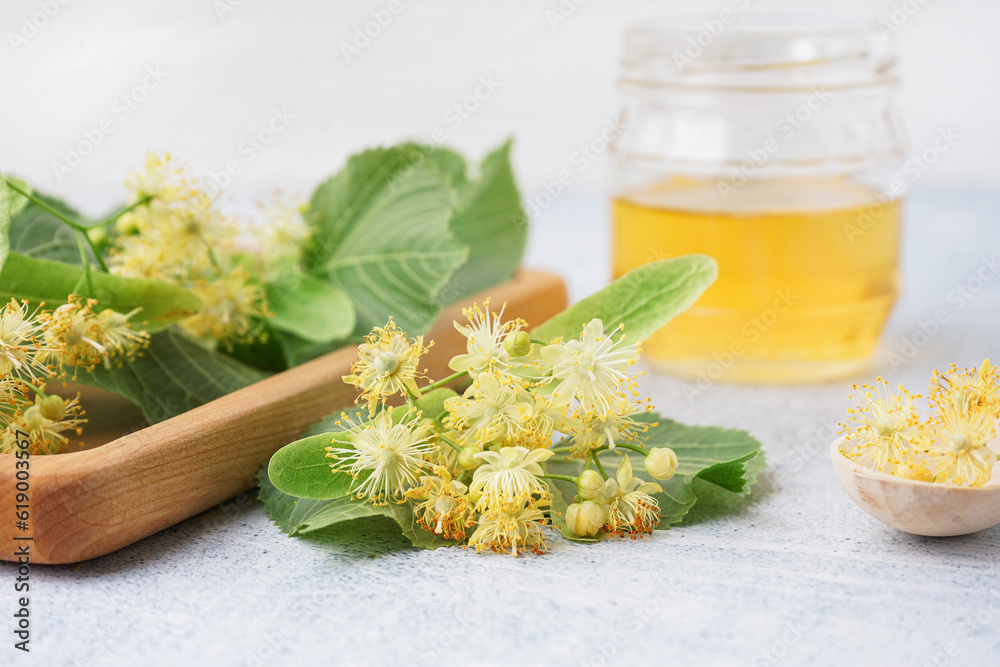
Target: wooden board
x=89 y=503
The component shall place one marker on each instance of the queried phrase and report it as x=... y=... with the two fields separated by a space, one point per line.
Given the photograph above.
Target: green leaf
x=174 y=375
x=313 y=310
x=5 y=210
x=384 y=237
x=302 y=469
x=644 y=299
x=39 y=280
x=432 y=403
x=37 y=233
x=306 y=516
x=490 y=220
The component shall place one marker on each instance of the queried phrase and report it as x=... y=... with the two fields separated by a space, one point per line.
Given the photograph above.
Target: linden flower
x=21 y=350
x=632 y=511
x=485 y=337
x=489 y=410
x=593 y=431
x=886 y=426
x=234 y=308
x=967 y=390
x=45 y=436
x=593 y=368
x=120 y=339
x=961 y=452
x=390 y=455
x=387 y=364
x=279 y=242
x=159 y=179
x=445 y=510
x=74 y=334
x=509 y=477
x=510 y=529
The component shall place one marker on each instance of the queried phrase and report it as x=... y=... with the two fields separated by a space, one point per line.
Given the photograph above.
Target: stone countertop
x=798 y=576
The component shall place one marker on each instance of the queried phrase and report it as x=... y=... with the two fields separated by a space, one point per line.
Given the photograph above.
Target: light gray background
x=799 y=576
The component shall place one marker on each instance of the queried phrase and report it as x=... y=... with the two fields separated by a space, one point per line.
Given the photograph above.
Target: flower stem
x=447 y=380
x=77 y=226
x=535 y=341
x=598 y=464
x=117 y=214
x=565 y=478
x=454 y=445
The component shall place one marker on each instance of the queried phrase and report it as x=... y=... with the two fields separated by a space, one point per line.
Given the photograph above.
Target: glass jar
x=773 y=145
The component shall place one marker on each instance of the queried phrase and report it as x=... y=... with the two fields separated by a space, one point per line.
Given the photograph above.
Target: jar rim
x=760 y=51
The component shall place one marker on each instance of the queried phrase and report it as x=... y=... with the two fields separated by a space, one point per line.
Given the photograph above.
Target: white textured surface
x=800 y=576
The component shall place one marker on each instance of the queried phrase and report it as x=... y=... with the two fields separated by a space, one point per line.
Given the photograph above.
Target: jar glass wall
x=771 y=146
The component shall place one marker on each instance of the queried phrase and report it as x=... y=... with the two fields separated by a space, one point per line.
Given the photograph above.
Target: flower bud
x=467 y=457
x=33 y=418
x=52 y=408
x=517 y=343
x=660 y=463
x=590 y=484
x=586 y=519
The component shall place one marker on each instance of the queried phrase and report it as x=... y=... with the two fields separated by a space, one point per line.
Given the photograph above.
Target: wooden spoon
x=920 y=508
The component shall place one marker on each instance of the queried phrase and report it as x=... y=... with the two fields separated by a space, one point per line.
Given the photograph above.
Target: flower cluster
x=175 y=232
x=37 y=346
x=950 y=444
x=472 y=466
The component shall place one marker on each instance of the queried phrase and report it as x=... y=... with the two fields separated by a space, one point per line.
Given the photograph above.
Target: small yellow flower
x=490 y=411
x=885 y=428
x=591 y=431
x=485 y=336
x=387 y=364
x=384 y=457
x=45 y=435
x=593 y=369
x=510 y=477
x=632 y=510
x=960 y=450
x=120 y=339
x=513 y=529
x=444 y=508
x=22 y=352
x=235 y=308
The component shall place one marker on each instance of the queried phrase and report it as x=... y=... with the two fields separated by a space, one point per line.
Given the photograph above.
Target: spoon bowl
x=919 y=508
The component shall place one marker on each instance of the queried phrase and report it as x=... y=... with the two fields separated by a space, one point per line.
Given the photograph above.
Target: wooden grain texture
x=88 y=503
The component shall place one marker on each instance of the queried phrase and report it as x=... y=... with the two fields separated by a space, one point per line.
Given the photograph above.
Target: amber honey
x=808 y=272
